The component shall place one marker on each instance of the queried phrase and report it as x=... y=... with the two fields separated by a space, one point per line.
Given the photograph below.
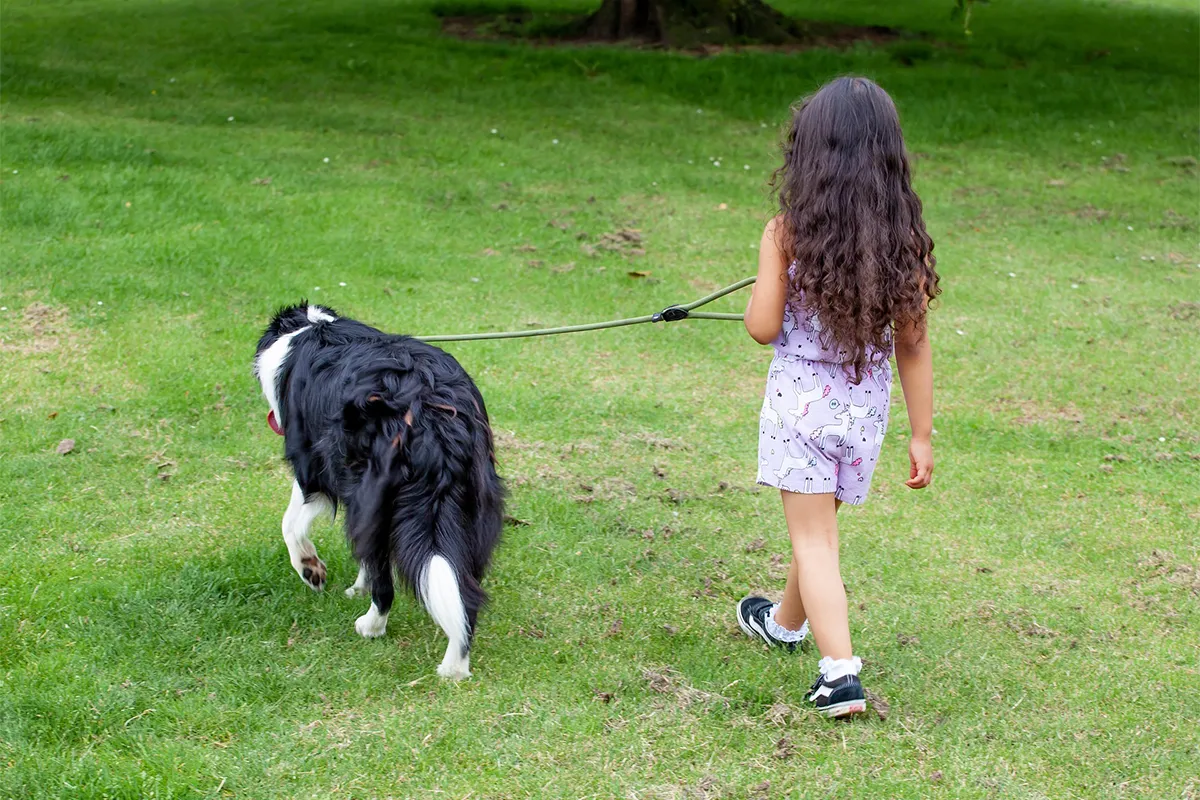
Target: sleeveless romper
x=818 y=432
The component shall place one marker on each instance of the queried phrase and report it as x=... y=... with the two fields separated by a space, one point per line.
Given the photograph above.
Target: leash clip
x=671 y=314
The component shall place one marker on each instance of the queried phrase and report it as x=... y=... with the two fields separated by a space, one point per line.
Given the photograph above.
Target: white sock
x=834 y=668
x=781 y=633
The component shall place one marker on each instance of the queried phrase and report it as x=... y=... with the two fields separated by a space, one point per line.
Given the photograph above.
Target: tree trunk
x=684 y=23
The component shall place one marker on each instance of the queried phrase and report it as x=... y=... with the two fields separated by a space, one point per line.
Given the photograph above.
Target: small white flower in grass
x=99 y=302
x=15 y=171
x=762 y=124
x=1074 y=285
x=316 y=288
x=172 y=80
x=933 y=431
x=961 y=333
x=1128 y=227
x=745 y=166
x=1012 y=274
x=495 y=131
x=474 y=280
x=3 y=308
x=341 y=283
x=1151 y=258
x=716 y=163
x=699 y=110
x=502 y=163
x=554 y=141
x=1162 y=438
x=654 y=183
x=230 y=119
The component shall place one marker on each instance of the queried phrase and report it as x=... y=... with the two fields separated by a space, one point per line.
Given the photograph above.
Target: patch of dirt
x=43 y=329
x=558 y=30
x=779 y=714
x=784 y=749
x=1184 y=312
x=1031 y=629
x=1033 y=413
x=1162 y=565
x=668 y=681
x=606 y=489
x=1090 y=213
x=879 y=703
x=655 y=442
x=626 y=242
x=1173 y=219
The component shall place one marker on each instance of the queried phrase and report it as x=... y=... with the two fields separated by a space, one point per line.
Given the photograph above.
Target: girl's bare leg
x=790 y=613
x=812 y=526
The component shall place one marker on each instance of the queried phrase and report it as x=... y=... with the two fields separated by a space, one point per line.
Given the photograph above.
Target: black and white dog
x=396 y=432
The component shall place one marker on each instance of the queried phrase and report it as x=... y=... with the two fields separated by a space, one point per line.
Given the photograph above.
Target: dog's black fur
x=396 y=432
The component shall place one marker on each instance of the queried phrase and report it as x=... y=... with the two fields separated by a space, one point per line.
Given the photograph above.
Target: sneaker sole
x=845 y=709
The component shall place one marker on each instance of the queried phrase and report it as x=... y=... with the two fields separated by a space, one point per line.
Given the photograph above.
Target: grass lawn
x=172 y=171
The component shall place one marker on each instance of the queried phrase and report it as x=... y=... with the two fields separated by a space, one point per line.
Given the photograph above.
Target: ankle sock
x=781 y=633
x=834 y=668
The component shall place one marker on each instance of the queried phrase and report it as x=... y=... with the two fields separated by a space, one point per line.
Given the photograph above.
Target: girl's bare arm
x=764 y=312
x=914 y=360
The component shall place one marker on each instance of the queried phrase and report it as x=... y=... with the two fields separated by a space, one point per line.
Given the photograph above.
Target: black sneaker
x=842 y=697
x=752 y=618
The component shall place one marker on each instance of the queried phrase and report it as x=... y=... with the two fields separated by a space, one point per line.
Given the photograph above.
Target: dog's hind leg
x=374 y=623
x=440 y=592
x=296 y=521
x=361 y=583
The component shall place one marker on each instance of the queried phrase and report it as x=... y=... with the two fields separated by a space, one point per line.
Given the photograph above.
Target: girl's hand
x=920 y=457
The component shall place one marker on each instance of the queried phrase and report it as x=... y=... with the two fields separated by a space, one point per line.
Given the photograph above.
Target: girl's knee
x=813 y=542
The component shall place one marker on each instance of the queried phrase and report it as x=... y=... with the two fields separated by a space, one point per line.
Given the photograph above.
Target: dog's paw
x=371 y=625
x=455 y=670
x=312 y=572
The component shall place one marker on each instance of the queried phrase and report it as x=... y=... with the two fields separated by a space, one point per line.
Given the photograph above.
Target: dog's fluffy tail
x=439 y=591
x=429 y=501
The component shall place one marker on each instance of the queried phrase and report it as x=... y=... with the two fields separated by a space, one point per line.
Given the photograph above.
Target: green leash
x=669 y=314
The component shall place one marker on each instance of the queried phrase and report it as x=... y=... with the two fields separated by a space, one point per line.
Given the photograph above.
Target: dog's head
x=273 y=349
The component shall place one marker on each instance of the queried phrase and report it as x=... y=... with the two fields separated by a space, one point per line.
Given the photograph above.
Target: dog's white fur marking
x=296 y=521
x=371 y=624
x=317 y=314
x=267 y=366
x=439 y=592
x=360 y=584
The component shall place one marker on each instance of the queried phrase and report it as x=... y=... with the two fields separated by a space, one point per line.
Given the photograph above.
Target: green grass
x=1032 y=619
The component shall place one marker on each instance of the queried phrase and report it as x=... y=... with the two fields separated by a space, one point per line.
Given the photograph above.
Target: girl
x=845 y=275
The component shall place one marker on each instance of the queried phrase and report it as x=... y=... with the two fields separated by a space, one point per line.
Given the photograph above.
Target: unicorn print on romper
x=819 y=433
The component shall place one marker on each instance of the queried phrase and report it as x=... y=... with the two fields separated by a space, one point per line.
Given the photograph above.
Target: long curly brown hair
x=851 y=222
